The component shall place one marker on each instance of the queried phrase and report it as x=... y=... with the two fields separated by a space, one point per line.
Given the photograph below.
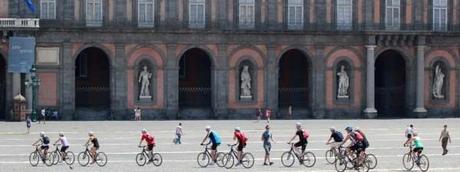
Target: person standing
x=444 y=138
x=137 y=114
x=179 y=134
x=268 y=114
x=28 y=124
x=43 y=116
x=258 y=114
x=267 y=138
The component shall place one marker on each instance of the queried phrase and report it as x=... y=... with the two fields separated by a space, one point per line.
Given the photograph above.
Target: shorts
x=409 y=136
x=44 y=147
x=358 y=147
x=267 y=148
x=150 y=147
x=97 y=148
x=418 y=150
x=64 y=148
x=241 y=146
x=301 y=144
x=214 y=146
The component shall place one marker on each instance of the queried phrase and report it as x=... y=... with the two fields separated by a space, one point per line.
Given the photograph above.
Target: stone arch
x=103 y=48
x=303 y=50
x=153 y=51
x=211 y=54
x=404 y=54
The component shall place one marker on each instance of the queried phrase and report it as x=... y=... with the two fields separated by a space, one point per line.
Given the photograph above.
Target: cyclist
x=64 y=144
x=95 y=145
x=303 y=139
x=266 y=137
x=337 y=137
x=356 y=143
x=365 y=141
x=409 y=132
x=150 y=142
x=44 y=140
x=418 y=145
x=241 y=140
x=215 y=139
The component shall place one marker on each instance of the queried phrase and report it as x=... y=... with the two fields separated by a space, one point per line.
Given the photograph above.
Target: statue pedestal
x=342 y=97
x=246 y=97
x=145 y=97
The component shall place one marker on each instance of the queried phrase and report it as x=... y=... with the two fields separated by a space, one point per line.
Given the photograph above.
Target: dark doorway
x=195 y=79
x=390 y=84
x=92 y=79
x=2 y=88
x=293 y=80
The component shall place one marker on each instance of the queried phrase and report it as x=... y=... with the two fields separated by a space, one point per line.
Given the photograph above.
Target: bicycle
x=69 y=156
x=331 y=154
x=35 y=156
x=141 y=158
x=410 y=159
x=345 y=161
x=247 y=160
x=204 y=158
x=85 y=156
x=308 y=159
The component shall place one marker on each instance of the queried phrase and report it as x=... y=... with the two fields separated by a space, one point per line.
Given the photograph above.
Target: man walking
x=179 y=134
x=444 y=138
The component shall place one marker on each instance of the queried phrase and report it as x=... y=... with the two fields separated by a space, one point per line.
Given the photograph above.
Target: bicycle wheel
x=371 y=161
x=220 y=159
x=330 y=157
x=157 y=160
x=56 y=157
x=424 y=163
x=248 y=160
x=83 y=159
x=69 y=158
x=408 y=162
x=141 y=159
x=363 y=168
x=309 y=159
x=34 y=158
x=49 y=161
x=203 y=159
x=340 y=164
x=229 y=160
x=287 y=159
x=101 y=159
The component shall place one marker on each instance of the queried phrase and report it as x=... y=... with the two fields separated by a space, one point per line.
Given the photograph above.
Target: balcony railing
x=26 y=23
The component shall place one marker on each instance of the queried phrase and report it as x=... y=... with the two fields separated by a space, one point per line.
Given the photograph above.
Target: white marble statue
x=344 y=83
x=245 y=83
x=144 y=80
x=438 y=83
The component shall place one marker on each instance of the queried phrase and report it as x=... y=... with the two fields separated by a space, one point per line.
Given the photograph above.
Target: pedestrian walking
x=137 y=114
x=267 y=139
x=258 y=114
x=179 y=134
x=43 y=116
x=268 y=114
x=444 y=138
x=28 y=123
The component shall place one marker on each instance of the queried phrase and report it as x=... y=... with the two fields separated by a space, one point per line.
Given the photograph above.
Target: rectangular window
x=295 y=14
x=440 y=15
x=146 y=13
x=344 y=14
x=392 y=14
x=94 y=13
x=196 y=17
x=246 y=14
x=48 y=9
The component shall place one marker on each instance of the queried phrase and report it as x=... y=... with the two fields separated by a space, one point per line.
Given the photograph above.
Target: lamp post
x=34 y=83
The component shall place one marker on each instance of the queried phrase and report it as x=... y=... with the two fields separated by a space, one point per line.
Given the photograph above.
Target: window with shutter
x=94 y=13
x=440 y=15
x=392 y=14
x=197 y=13
x=295 y=14
x=344 y=16
x=146 y=13
x=246 y=14
x=48 y=9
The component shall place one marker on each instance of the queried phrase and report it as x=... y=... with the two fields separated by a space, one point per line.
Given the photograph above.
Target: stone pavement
x=119 y=140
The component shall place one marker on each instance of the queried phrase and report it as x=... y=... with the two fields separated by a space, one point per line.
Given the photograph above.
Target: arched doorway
x=195 y=82
x=390 y=84
x=2 y=87
x=92 y=82
x=293 y=82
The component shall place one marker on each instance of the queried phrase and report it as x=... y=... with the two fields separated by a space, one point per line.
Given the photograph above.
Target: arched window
x=344 y=14
x=440 y=15
x=247 y=78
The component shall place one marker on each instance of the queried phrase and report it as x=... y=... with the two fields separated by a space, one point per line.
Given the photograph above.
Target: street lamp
x=34 y=83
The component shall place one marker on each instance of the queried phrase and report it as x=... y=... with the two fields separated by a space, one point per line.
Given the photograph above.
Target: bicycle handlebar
x=231 y=145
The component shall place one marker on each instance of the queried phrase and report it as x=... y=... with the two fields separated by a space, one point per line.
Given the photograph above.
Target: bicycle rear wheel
x=229 y=160
x=287 y=159
x=408 y=162
x=83 y=159
x=220 y=159
x=34 y=158
x=49 y=161
x=203 y=159
x=309 y=159
x=56 y=157
x=247 y=160
x=157 y=159
x=101 y=159
x=371 y=161
x=340 y=164
x=424 y=163
x=141 y=159
x=330 y=157
x=69 y=158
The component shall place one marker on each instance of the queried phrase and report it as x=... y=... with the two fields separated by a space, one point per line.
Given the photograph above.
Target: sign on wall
x=21 y=54
x=48 y=55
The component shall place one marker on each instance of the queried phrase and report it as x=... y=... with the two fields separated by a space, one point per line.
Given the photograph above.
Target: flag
x=30 y=5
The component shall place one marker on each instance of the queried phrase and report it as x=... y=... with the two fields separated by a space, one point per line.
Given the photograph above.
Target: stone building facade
x=325 y=58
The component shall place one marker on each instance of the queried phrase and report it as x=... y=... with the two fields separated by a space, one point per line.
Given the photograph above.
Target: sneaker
x=265 y=163
x=271 y=163
x=211 y=163
x=237 y=164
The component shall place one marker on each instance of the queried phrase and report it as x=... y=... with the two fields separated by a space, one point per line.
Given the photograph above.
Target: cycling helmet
x=61 y=134
x=349 y=129
x=42 y=134
x=332 y=129
x=237 y=128
x=267 y=126
x=208 y=128
x=144 y=130
x=90 y=133
x=298 y=124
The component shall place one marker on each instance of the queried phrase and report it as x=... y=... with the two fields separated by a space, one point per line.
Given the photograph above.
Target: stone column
x=29 y=94
x=67 y=81
x=119 y=84
x=171 y=83
x=271 y=79
x=370 y=111
x=220 y=84
x=420 y=110
x=318 y=86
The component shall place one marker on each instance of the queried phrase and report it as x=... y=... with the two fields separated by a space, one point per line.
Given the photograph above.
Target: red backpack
x=358 y=136
x=245 y=137
x=305 y=134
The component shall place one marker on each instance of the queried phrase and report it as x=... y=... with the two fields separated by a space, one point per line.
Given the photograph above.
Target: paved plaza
x=119 y=140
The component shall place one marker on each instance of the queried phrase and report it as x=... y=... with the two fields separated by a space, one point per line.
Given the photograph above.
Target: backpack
x=305 y=134
x=46 y=140
x=217 y=138
x=245 y=137
x=339 y=135
x=358 y=136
